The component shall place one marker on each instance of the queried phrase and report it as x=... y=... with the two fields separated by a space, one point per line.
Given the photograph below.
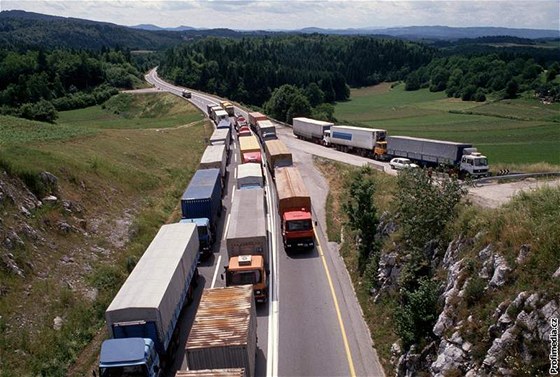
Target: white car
x=401 y=163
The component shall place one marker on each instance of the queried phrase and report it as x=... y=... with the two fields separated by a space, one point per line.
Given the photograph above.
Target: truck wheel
x=195 y=278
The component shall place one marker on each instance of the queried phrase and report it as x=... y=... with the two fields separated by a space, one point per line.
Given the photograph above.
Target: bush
x=474 y=290
x=43 y=111
x=415 y=319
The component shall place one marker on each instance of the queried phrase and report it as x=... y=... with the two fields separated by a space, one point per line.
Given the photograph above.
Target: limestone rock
x=501 y=269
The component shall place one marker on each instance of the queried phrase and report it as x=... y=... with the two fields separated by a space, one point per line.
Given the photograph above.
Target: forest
x=249 y=69
x=298 y=75
x=38 y=83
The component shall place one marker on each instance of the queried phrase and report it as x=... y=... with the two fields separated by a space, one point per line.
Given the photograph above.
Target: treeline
x=250 y=69
x=37 y=84
x=473 y=78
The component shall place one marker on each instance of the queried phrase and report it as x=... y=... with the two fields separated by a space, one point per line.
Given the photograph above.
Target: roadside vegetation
x=419 y=230
x=118 y=179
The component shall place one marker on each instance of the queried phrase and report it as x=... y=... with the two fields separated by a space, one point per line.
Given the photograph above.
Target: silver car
x=400 y=163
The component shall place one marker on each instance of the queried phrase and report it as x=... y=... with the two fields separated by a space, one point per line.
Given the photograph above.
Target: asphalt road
x=313 y=324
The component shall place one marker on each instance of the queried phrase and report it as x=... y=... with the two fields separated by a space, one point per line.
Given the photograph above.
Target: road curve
x=319 y=328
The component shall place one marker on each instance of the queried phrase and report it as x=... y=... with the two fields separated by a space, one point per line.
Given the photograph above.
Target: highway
x=312 y=324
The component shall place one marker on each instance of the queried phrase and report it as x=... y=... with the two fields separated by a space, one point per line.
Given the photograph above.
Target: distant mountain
x=155 y=27
x=441 y=32
x=19 y=29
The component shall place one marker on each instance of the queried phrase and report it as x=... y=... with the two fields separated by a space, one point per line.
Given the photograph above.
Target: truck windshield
x=298 y=225
x=480 y=162
x=246 y=277
x=131 y=371
x=202 y=231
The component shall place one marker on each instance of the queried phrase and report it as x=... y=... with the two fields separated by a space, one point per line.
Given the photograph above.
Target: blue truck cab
x=201 y=203
x=205 y=234
x=129 y=357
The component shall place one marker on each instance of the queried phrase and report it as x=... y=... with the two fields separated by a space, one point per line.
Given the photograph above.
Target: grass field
x=125 y=172
x=520 y=131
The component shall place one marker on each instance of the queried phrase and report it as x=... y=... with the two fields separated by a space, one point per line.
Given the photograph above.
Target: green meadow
x=521 y=131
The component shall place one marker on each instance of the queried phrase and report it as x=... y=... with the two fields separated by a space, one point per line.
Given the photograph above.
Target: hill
x=441 y=32
x=19 y=29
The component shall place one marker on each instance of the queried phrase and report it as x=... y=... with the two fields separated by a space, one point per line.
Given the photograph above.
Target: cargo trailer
x=310 y=129
x=224 y=331
x=249 y=176
x=277 y=155
x=143 y=317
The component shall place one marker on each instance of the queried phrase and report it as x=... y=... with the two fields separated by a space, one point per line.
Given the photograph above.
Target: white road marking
x=272 y=350
x=227 y=225
x=233 y=194
x=216 y=272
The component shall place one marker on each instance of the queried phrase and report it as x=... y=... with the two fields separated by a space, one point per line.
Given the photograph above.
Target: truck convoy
x=265 y=130
x=277 y=155
x=224 y=332
x=201 y=204
x=215 y=157
x=249 y=176
x=310 y=129
x=249 y=149
x=460 y=158
x=142 y=318
x=294 y=208
x=247 y=243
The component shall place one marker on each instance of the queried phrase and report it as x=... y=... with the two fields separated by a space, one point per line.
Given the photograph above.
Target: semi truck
x=250 y=149
x=228 y=108
x=310 y=129
x=294 y=208
x=254 y=117
x=358 y=140
x=277 y=155
x=220 y=116
x=461 y=158
x=215 y=157
x=247 y=243
x=249 y=176
x=266 y=130
x=222 y=136
x=209 y=107
x=142 y=318
x=201 y=204
x=224 y=331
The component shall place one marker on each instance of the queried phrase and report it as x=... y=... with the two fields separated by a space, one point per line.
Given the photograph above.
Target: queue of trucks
x=458 y=158
x=144 y=315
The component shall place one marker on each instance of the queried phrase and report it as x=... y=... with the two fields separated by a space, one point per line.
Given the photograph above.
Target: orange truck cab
x=294 y=208
x=248 y=269
x=247 y=243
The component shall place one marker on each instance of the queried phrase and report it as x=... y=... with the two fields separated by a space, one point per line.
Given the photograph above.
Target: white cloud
x=293 y=14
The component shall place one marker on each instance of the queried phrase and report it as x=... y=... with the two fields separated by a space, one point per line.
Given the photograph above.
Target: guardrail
x=513 y=177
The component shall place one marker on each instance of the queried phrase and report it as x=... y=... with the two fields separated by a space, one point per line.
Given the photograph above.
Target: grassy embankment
x=124 y=165
x=512 y=133
x=529 y=219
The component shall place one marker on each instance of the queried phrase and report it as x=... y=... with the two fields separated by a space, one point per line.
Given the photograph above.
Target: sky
x=297 y=14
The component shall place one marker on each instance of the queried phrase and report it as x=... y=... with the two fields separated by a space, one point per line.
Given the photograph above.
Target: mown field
x=519 y=131
x=123 y=165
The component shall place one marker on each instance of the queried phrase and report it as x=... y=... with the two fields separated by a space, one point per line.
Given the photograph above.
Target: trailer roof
x=152 y=279
x=360 y=128
x=223 y=317
x=220 y=112
x=247 y=215
x=220 y=133
x=289 y=183
x=202 y=184
x=430 y=140
x=213 y=153
x=249 y=169
x=265 y=124
x=249 y=143
x=276 y=147
x=315 y=121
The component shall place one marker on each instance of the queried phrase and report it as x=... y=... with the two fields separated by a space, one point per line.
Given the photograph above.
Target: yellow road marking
x=337 y=308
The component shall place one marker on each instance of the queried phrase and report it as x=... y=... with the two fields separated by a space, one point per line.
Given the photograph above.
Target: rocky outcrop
x=518 y=325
